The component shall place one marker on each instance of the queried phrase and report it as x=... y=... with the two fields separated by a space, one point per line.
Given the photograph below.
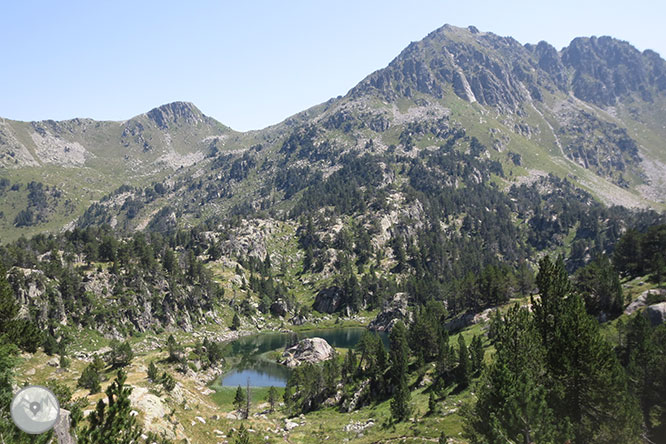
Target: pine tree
x=553 y=283
x=599 y=284
x=586 y=384
x=239 y=400
x=175 y=350
x=400 y=408
x=463 y=369
x=121 y=354
x=90 y=379
x=235 y=322
x=442 y=439
x=512 y=405
x=331 y=372
x=246 y=411
x=288 y=398
x=8 y=306
x=112 y=423
x=272 y=398
x=242 y=436
x=477 y=353
x=168 y=382
x=589 y=386
x=433 y=407
x=348 y=366
x=443 y=366
x=152 y=372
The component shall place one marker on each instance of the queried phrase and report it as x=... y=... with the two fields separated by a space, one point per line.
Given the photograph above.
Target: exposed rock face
x=175 y=113
x=145 y=307
x=641 y=301
x=602 y=147
x=607 y=69
x=500 y=72
x=62 y=429
x=310 y=350
x=155 y=411
x=656 y=313
x=328 y=300
x=279 y=308
x=394 y=311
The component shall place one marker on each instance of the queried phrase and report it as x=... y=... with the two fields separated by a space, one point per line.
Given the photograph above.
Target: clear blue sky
x=252 y=64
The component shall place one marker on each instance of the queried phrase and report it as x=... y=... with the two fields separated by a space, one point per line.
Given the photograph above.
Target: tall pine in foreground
x=512 y=404
x=399 y=355
x=586 y=384
x=643 y=354
x=555 y=378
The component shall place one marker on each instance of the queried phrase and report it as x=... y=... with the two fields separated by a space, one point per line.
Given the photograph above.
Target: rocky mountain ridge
x=590 y=113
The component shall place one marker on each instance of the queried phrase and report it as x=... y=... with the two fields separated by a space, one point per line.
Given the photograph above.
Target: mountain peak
x=501 y=72
x=176 y=113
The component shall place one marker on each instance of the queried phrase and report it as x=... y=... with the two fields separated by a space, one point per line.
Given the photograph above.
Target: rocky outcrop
x=63 y=428
x=310 y=350
x=642 y=300
x=656 y=313
x=279 y=308
x=328 y=300
x=176 y=113
x=155 y=412
x=393 y=311
x=607 y=69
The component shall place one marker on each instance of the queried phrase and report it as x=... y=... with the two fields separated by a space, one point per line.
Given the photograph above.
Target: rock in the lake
x=393 y=311
x=311 y=350
x=656 y=313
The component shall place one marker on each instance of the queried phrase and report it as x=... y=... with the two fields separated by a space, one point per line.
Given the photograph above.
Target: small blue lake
x=261 y=371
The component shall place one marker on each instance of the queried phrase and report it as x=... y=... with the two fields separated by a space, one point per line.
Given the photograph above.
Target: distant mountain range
x=592 y=113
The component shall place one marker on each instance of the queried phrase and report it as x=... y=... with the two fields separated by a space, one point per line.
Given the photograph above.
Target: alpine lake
x=253 y=358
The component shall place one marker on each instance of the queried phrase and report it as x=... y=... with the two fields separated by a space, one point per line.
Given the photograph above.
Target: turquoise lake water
x=264 y=373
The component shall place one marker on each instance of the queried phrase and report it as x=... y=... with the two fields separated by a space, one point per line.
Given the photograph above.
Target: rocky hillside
x=78 y=161
x=171 y=135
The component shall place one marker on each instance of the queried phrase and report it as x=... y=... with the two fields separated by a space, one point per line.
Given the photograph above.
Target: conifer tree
x=443 y=366
x=175 y=349
x=121 y=354
x=463 y=369
x=599 y=284
x=235 y=322
x=90 y=379
x=348 y=366
x=168 y=382
x=8 y=306
x=477 y=353
x=433 y=407
x=239 y=400
x=399 y=354
x=242 y=436
x=272 y=398
x=586 y=385
x=112 y=423
x=288 y=398
x=512 y=405
x=152 y=372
